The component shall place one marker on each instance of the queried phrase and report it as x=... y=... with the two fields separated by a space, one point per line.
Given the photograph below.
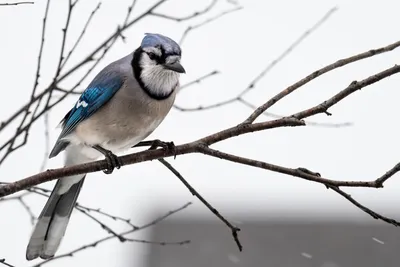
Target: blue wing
x=98 y=93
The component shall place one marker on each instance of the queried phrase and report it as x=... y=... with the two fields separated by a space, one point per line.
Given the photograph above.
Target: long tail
x=53 y=220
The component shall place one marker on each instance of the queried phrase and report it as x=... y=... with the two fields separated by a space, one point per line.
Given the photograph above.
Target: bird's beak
x=176 y=66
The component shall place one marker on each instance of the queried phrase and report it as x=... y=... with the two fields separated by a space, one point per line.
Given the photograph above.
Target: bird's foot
x=112 y=160
x=170 y=146
x=154 y=144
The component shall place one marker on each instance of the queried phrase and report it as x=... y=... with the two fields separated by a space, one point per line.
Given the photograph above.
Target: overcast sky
x=239 y=45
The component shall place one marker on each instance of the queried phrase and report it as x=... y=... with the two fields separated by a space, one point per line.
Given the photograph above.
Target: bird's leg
x=168 y=146
x=112 y=160
x=144 y=143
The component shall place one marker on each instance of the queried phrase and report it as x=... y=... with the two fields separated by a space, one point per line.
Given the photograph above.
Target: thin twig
x=207 y=107
x=194 y=192
x=81 y=35
x=115 y=218
x=267 y=69
x=20 y=200
x=64 y=38
x=200 y=79
x=160 y=243
x=5 y=199
x=105 y=227
x=289 y=49
x=379 y=182
x=317 y=73
x=218 y=16
x=362 y=207
x=128 y=14
x=32 y=216
x=195 y=14
x=308 y=123
x=15 y=4
x=3 y=261
x=47 y=142
x=42 y=41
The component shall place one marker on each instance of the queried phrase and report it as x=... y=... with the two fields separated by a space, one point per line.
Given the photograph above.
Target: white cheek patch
x=155 y=77
x=146 y=61
x=159 y=80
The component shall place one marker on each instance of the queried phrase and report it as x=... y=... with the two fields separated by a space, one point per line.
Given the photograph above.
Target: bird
x=124 y=103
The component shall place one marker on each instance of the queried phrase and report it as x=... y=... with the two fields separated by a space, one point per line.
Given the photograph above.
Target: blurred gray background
x=296 y=241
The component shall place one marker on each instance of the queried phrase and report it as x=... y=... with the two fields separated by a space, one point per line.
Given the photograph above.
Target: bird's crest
x=166 y=43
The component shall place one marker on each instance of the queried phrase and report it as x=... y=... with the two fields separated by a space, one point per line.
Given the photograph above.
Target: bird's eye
x=152 y=56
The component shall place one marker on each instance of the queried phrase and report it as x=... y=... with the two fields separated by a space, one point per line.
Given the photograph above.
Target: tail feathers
x=53 y=222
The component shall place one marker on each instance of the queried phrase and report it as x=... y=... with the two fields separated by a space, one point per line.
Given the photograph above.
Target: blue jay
x=123 y=105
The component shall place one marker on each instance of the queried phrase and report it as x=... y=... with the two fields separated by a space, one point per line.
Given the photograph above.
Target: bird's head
x=161 y=52
x=158 y=64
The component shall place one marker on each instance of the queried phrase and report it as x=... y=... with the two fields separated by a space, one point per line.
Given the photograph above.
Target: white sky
x=239 y=45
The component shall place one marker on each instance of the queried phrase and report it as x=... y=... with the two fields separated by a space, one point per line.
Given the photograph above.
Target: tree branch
x=317 y=73
x=15 y=3
x=198 y=146
x=353 y=87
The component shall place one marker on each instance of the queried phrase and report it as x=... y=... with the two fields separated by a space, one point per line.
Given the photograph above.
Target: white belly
x=116 y=138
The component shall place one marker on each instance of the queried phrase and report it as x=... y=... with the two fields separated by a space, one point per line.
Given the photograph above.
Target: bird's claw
x=112 y=161
x=154 y=144
x=171 y=147
x=307 y=171
x=167 y=146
